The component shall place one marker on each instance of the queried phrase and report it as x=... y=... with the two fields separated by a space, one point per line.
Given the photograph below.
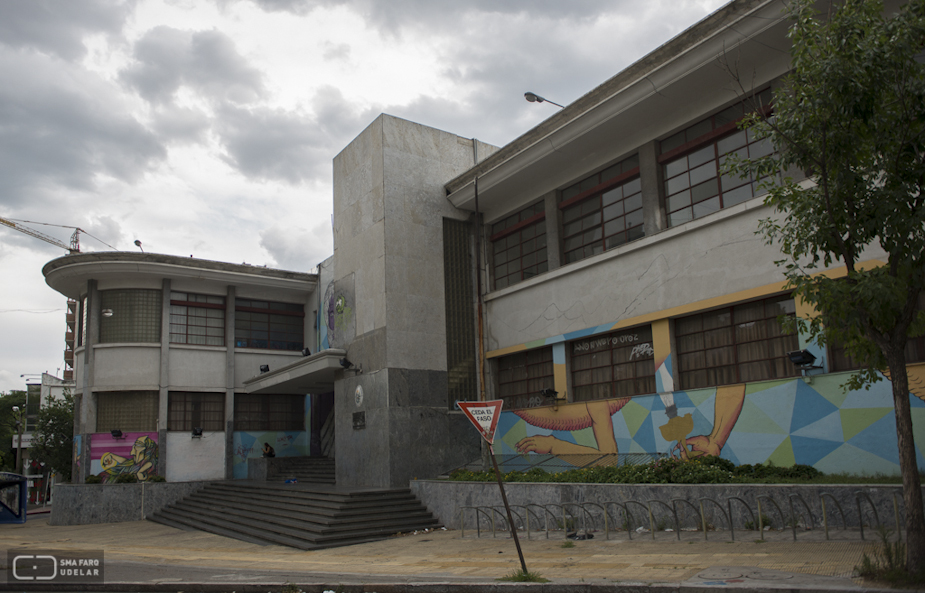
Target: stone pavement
x=146 y=556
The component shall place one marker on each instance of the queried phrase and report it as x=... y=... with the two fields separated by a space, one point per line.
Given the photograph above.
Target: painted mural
x=337 y=325
x=781 y=422
x=134 y=452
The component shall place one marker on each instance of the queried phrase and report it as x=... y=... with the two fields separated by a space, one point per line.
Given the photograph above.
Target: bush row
x=701 y=470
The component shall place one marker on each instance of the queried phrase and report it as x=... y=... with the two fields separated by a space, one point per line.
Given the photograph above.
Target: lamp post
x=19 y=428
x=534 y=98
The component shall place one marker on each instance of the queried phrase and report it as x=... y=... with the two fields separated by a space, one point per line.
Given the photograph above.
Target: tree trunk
x=912 y=489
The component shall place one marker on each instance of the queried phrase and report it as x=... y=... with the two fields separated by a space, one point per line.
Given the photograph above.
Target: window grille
x=736 y=344
x=197 y=319
x=602 y=211
x=518 y=245
x=691 y=160
x=189 y=410
x=619 y=364
x=268 y=325
x=522 y=376
x=269 y=412
x=460 y=315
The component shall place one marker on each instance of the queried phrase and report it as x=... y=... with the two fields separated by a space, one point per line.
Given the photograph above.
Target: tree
x=53 y=438
x=851 y=114
x=8 y=427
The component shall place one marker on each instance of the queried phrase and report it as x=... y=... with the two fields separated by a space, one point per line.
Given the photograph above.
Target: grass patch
x=888 y=565
x=519 y=576
x=568 y=544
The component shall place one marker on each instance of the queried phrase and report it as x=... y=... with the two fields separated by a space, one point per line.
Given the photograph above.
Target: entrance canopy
x=312 y=374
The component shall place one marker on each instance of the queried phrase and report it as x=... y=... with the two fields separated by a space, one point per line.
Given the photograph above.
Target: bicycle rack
x=729 y=506
x=627 y=503
x=605 y=514
x=703 y=517
x=674 y=503
x=858 y=495
x=564 y=522
x=793 y=518
x=627 y=516
x=761 y=520
x=825 y=520
x=677 y=525
x=584 y=523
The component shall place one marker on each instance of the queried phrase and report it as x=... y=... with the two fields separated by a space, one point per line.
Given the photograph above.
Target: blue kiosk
x=13 y=498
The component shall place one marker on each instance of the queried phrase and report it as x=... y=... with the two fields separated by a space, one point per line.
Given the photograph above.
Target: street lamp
x=534 y=98
x=19 y=427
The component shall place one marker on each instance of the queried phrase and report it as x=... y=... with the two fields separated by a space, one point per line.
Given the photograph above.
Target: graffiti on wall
x=133 y=453
x=337 y=314
x=782 y=422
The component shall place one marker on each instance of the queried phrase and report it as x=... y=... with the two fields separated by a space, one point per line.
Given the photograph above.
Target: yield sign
x=484 y=415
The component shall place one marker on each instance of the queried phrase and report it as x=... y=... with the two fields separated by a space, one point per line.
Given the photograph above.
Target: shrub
x=92 y=479
x=126 y=478
x=156 y=478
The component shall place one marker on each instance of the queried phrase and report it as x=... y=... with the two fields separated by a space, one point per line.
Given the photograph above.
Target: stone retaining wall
x=84 y=504
x=446 y=498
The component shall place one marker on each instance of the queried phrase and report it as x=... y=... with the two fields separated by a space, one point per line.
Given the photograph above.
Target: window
x=460 y=313
x=186 y=411
x=691 y=161
x=602 y=211
x=620 y=364
x=274 y=326
x=736 y=344
x=522 y=376
x=915 y=349
x=82 y=322
x=518 y=246
x=132 y=315
x=128 y=411
x=197 y=319
x=269 y=412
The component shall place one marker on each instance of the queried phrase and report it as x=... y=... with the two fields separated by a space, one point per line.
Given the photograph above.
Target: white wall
x=127 y=366
x=197 y=366
x=195 y=459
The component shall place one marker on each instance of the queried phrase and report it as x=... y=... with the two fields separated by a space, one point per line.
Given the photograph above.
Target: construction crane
x=74 y=247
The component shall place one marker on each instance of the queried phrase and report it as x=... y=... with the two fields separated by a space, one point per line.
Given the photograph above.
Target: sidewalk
x=153 y=557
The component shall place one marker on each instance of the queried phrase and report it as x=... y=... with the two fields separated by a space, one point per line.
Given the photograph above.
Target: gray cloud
x=266 y=143
x=61 y=126
x=205 y=61
x=180 y=124
x=298 y=249
x=58 y=28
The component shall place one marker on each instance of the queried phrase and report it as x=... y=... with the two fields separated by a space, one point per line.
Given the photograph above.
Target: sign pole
x=507 y=508
x=484 y=416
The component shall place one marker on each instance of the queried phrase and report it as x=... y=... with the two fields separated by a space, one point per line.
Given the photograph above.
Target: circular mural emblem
x=358 y=396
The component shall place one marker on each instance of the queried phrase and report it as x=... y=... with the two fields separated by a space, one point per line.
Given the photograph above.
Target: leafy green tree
x=851 y=114
x=52 y=440
x=8 y=427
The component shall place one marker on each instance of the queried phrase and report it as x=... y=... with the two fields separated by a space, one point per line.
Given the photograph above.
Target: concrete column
x=553 y=244
x=229 y=383
x=87 y=410
x=164 y=382
x=653 y=193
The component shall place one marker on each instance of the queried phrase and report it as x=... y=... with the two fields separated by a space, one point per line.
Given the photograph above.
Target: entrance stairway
x=303 y=516
x=312 y=470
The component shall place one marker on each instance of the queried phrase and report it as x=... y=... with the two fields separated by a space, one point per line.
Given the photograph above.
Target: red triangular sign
x=484 y=415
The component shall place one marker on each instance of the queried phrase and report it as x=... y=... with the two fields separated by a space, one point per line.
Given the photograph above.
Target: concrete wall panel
x=192 y=367
x=127 y=366
x=195 y=458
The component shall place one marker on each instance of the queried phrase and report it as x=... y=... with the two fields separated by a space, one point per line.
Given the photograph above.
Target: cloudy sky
x=207 y=127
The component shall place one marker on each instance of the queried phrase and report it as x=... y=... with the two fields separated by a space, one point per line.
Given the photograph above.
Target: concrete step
x=298 y=516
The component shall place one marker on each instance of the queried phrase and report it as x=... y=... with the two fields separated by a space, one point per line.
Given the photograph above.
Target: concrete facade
x=388 y=256
x=164 y=366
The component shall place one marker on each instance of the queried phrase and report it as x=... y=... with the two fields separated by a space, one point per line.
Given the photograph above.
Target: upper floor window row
x=518 y=245
x=263 y=324
x=602 y=211
x=691 y=162
x=197 y=319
